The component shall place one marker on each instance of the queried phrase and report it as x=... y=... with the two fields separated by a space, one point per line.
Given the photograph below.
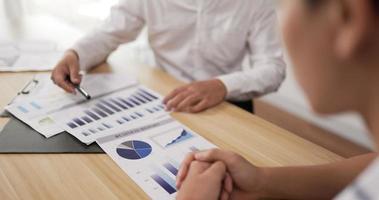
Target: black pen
x=80 y=89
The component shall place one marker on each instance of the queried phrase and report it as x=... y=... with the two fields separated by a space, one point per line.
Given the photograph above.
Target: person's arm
x=300 y=182
x=123 y=25
x=312 y=182
x=266 y=69
x=266 y=72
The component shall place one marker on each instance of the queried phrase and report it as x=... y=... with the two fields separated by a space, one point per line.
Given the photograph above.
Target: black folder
x=17 y=137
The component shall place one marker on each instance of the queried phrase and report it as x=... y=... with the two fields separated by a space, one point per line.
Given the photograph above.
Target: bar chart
x=48 y=99
x=163 y=179
x=32 y=106
x=91 y=120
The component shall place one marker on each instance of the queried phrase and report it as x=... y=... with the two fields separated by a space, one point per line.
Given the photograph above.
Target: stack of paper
x=151 y=152
x=127 y=120
x=37 y=110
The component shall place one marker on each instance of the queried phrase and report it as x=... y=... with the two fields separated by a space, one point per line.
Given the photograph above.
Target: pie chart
x=134 y=149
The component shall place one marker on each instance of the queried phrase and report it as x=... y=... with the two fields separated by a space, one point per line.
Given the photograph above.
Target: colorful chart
x=184 y=135
x=134 y=149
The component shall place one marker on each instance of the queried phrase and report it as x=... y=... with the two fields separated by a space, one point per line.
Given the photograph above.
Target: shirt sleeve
x=266 y=70
x=123 y=25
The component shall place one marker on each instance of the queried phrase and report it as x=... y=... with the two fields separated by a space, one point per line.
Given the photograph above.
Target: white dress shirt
x=198 y=40
x=366 y=187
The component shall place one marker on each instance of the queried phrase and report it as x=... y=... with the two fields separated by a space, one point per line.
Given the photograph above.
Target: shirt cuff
x=83 y=59
x=233 y=86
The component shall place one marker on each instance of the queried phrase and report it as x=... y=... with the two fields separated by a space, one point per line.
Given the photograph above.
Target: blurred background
x=65 y=21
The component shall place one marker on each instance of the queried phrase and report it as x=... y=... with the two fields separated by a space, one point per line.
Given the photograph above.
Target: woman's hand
x=204 y=182
x=247 y=179
x=196 y=97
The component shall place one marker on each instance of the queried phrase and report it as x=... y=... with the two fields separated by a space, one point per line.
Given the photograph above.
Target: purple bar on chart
x=171 y=168
x=105 y=109
x=85 y=133
x=91 y=114
x=119 y=104
x=126 y=102
x=135 y=102
x=139 y=99
x=163 y=184
x=107 y=125
x=147 y=93
x=78 y=121
x=144 y=96
x=72 y=125
x=114 y=108
x=139 y=114
x=99 y=112
x=92 y=130
x=87 y=119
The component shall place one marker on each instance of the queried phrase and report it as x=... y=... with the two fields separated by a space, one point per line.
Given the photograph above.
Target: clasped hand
x=218 y=174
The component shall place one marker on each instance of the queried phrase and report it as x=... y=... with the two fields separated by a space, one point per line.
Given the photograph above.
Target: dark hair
x=315 y=3
x=376 y=5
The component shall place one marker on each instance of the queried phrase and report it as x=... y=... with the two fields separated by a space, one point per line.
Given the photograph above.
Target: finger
x=228 y=183
x=187 y=102
x=183 y=170
x=213 y=155
x=224 y=195
x=217 y=169
x=202 y=105
x=54 y=74
x=61 y=81
x=172 y=104
x=172 y=94
x=74 y=73
x=197 y=167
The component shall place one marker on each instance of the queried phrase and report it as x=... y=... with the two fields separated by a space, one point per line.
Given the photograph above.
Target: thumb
x=74 y=73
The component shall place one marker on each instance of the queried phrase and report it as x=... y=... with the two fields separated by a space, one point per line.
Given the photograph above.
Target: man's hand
x=247 y=179
x=196 y=97
x=67 y=68
x=204 y=182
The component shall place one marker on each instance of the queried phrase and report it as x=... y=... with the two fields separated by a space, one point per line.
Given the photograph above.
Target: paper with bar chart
x=37 y=111
x=100 y=116
x=150 y=153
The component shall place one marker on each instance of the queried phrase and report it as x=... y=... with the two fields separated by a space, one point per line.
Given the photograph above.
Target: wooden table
x=96 y=176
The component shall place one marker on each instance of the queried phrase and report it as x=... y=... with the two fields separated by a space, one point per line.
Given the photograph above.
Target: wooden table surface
x=96 y=176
